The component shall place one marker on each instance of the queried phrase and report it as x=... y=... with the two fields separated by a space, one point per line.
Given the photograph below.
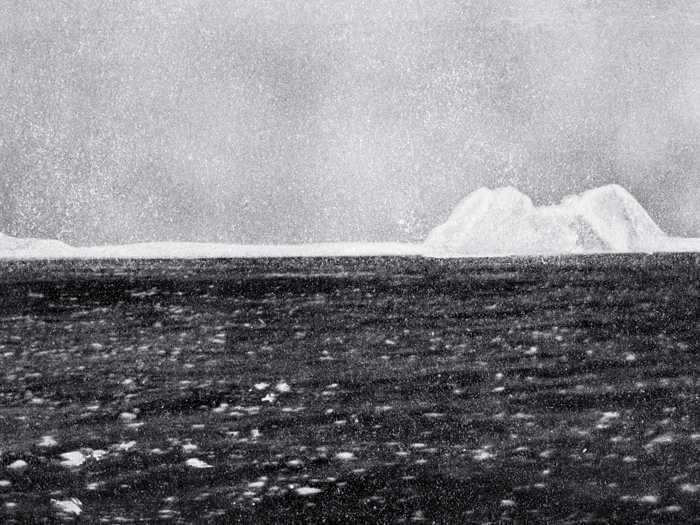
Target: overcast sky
x=302 y=120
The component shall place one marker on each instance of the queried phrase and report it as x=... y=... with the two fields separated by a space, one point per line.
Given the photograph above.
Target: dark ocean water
x=352 y=390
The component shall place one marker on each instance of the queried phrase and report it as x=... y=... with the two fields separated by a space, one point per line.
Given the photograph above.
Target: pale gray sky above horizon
x=318 y=120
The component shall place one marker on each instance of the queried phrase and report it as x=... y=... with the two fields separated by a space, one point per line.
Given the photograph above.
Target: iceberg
x=487 y=222
x=504 y=221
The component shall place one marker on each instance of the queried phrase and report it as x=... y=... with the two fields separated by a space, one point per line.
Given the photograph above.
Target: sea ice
x=74 y=458
x=69 y=506
x=47 y=442
x=197 y=463
x=19 y=464
x=504 y=221
x=307 y=491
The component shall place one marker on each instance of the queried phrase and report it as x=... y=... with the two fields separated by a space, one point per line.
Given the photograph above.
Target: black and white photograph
x=350 y=262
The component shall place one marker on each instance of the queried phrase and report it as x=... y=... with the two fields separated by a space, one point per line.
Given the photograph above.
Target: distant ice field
x=486 y=223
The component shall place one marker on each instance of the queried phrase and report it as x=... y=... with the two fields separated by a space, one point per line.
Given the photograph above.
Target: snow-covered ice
x=504 y=221
x=69 y=506
x=282 y=387
x=501 y=221
x=307 y=491
x=19 y=464
x=127 y=416
x=189 y=447
x=47 y=442
x=74 y=458
x=28 y=248
x=690 y=488
x=20 y=248
x=197 y=463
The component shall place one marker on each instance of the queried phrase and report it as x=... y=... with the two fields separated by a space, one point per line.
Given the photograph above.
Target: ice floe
x=197 y=463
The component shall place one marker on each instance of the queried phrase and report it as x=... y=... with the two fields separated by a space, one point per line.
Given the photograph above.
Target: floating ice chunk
x=691 y=488
x=507 y=503
x=307 y=491
x=97 y=455
x=74 y=458
x=68 y=506
x=649 y=498
x=606 y=416
x=197 y=463
x=345 y=456
x=269 y=398
x=47 y=442
x=19 y=464
x=189 y=447
x=124 y=445
x=482 y=455
x=127 y=416
x=664 y=439
x=283 y=388
x=5 y=483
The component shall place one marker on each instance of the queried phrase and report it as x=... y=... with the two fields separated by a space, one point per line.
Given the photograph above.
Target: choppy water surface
x=389 y=390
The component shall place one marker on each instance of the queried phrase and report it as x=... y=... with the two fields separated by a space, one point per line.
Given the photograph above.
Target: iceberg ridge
x=504 y=221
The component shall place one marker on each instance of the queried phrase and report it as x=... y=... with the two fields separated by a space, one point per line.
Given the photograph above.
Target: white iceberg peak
x=504 y=221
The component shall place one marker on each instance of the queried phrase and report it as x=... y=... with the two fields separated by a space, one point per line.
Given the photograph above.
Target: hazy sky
x=302 y=120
